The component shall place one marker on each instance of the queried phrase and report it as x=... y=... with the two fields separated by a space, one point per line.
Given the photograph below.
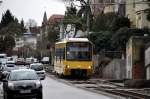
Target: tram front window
x=79 y=51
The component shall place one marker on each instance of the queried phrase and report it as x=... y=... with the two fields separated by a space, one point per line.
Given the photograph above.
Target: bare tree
x=31 y=23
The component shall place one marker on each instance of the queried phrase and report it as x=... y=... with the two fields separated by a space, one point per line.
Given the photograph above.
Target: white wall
x=147 y=62
x=148 y=73
x=129 y=59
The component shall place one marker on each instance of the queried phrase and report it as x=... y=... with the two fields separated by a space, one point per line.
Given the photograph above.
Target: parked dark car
x=22 y=83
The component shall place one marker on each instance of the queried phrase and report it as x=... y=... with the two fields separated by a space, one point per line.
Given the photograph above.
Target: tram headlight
x=67 y=66
x=90 y=67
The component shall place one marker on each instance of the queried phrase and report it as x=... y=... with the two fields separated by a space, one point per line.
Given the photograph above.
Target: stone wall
x=116 y=69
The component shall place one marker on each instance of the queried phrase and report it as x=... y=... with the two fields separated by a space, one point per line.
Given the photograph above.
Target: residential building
x=135 y=52
x=27 y=39
x=26 y=44
x=19 y=43
x=55 y=18
x=47 y=25
x=108 y=6
x=96 y=7
x=30 y=40
x=120 y=7
x=130 y=12
x=136 y=11
x=35 y=30
x=42 y=37
x=54 y=22
x=117 y=6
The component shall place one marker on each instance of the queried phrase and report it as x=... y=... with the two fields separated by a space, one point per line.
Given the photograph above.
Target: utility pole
x=1 y=1
x=88 y=17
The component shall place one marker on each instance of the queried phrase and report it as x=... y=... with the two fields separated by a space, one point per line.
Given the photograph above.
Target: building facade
x=136 y=11
x=147 y=61
x=30 y=40
x=135 y=57
x=54 y=19
x=96 y=7
x=48 y=25
x=108 y=6
x=26 y=45
x=19 y=43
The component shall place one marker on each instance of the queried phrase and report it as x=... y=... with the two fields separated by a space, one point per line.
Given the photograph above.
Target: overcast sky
x=32 y=9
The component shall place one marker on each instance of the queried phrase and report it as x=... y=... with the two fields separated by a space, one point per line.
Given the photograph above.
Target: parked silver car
x=38 y=67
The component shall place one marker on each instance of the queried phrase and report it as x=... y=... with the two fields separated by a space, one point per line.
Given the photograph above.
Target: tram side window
x=60 y=54
x=63 y=53
x=56 y=54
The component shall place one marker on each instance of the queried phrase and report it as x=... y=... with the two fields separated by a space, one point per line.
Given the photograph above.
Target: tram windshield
x=79 y=51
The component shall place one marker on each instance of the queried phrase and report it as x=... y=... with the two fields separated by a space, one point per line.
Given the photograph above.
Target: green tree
x=103 y=22
x=6 y=44
x=52 y=36
x=11 y=29
x=99 y=23
x=120 y=22
x=109 y=36
x=71 y=11
x=53 y=32
x=71 y=17
x=9 y=24
x=7 y=18
x=9 y=42
x=22 y=26
x=101 y=40
x=121 y=37
x=109 y=22
x=1 y=44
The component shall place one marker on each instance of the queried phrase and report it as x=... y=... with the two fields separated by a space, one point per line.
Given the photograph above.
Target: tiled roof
x=55 y=18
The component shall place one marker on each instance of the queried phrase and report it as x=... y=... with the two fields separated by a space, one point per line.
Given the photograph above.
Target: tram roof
x=74 y=40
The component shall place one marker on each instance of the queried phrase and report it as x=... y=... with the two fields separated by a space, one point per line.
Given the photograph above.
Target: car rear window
x=10 y=65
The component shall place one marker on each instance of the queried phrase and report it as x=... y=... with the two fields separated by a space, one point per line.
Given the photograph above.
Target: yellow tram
x=73 y=56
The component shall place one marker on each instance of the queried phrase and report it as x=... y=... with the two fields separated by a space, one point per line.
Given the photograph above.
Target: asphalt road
x=53 y=89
